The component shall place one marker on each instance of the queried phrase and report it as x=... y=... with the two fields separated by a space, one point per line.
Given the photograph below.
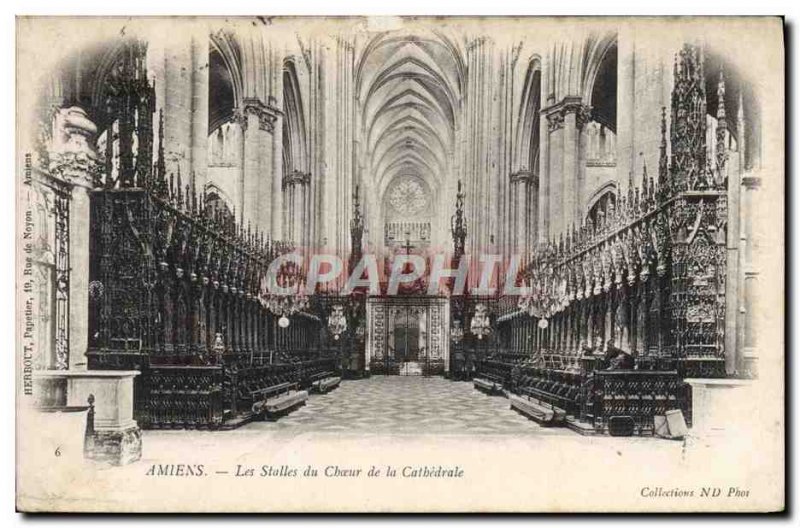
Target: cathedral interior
x=618 y=169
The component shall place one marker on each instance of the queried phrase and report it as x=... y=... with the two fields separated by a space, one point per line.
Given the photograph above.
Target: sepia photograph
x=400 y=264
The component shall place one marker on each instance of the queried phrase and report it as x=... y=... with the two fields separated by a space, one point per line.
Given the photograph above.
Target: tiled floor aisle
x=405 y=404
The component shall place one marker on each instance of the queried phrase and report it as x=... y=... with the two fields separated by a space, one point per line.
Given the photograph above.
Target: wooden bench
x=326 y=384
x=278 y=399
x=487 y=386
x=316 y=377
x=272 y=390
x=285 y=403
x=321 y=374
x=542 y=413
x=546 y=397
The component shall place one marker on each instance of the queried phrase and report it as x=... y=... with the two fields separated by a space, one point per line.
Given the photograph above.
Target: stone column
x=298 y=214
x=74 y=160
x=733 y=262
x=286 y=204
x=199 y=120
x=555 y=173
x=569 y=174
x=743 y=184
x=563 y=165
x=296 y=187
x=582 y=117
x=626 y=99
x=276 y=193
x=182 y=70
x=258 y=125
x=308 y=211
x=250 y=166
x=270 y=169
x=747 y=351
x=177 y=105
x=543 y=194
x=522 y=214
x=576 y=115
x=533 y=211
x=519 y=186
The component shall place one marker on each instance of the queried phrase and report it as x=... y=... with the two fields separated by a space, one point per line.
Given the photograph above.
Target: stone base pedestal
x=115 y=436
x=721 y=407
x=115 y=447
x=749 y=366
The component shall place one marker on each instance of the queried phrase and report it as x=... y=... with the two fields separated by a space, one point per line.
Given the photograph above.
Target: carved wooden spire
x=722 y=133
x=741 y=134
x=161 y=168
x=688 y=123
x=663 y=162
x=356 y=231
x=458 y=225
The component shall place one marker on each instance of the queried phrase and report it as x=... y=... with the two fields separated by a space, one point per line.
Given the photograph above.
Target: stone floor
x=405 y=405
x=396 y=423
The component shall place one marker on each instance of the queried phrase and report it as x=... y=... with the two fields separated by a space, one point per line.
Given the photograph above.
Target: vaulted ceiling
x=410 y=88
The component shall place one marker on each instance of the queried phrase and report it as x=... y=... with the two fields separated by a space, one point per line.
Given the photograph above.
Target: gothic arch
x=738 y=97
x=595 y=53
x=227 y=47
x=83 y=77
x=602 y=190
x=99 y=81
x=295 y=153
x=600 y=84
x=410 y=88
x=212 y=189
x=221 y=92
x=527 y=151
x=602 y=200
x=430 y=39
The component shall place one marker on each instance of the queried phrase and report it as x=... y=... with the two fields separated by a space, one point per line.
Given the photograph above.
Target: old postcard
x=388 y=264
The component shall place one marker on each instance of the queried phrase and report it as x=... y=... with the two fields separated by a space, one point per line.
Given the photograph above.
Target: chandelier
x=284 y=305
x=480 y=326
x=457 y=332
x=337 y=322
x=544 y=297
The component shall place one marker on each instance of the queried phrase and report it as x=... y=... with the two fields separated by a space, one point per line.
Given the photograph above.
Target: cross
x=407 y=246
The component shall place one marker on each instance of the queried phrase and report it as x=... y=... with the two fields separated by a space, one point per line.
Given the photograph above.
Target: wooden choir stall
x=625 y=307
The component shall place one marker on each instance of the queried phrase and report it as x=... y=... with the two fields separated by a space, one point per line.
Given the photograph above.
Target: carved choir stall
x=177 y=287
x=645 y=281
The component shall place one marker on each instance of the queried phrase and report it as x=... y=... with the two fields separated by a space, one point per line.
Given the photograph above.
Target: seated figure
x=617 y=359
